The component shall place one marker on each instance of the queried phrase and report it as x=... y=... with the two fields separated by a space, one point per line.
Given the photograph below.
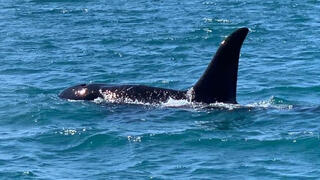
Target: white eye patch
x=81 y=92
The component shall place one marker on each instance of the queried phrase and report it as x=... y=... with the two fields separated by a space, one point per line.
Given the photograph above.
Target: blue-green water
x=48 y=45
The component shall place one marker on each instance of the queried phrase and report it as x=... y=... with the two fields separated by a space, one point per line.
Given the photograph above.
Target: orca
x=218 y=84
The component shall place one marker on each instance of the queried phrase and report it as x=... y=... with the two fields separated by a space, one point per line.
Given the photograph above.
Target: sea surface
x=49 y=45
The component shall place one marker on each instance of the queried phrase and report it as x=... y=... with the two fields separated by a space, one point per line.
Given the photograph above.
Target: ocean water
x=49 y=45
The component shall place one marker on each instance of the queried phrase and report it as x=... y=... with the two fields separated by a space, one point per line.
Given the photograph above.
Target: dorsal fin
x=219 y=81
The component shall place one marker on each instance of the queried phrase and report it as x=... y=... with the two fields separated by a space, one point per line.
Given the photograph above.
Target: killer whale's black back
x=219 y=81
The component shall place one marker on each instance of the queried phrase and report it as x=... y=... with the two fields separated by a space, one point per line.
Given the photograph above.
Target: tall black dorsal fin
x=219 y=81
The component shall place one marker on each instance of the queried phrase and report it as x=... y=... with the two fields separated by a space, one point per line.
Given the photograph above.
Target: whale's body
x=123 y=93
x=217 y=84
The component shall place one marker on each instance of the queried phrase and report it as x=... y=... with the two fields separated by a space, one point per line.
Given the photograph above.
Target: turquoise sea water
x=48 y=45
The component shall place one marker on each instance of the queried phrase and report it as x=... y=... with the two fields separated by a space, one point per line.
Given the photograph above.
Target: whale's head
x=82 y=92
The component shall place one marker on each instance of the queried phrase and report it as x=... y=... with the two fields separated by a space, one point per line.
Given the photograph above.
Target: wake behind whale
x=218 y=84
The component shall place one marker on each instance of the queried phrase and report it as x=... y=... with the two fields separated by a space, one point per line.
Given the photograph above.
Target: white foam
x=171 y=102
x=187 y=103
x=225 y=105
x=176 y=103
x=270 y=103
x=72 y=100
x=98 y=100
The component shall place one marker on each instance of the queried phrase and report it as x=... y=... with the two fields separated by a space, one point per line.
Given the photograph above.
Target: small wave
x=273 y=102
x=96 y=141
x=71 y=132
